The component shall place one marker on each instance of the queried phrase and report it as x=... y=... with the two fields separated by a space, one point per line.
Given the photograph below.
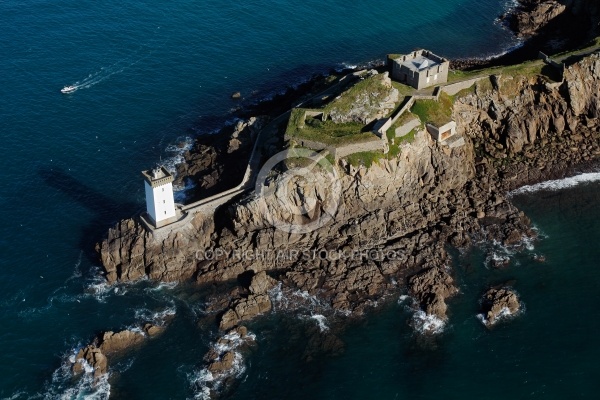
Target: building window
x=435 y=77
x=427 y=79
x=165 y=213
x=163 y=189
x=164 y=201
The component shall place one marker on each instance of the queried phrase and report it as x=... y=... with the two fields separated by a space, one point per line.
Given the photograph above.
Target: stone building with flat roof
x=419 y=69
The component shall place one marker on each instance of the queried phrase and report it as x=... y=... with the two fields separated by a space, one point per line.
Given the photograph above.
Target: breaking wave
x=559 y=184
x=427 y=323
x=204 y=382
x=64 y=386
x=158 y=318
x=503 y=315
x=421 y=322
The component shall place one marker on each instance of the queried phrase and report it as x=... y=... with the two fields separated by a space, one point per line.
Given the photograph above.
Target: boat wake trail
x=143 y=52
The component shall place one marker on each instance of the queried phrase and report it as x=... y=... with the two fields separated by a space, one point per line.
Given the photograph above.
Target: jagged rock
x=533 y=15
x=153 y=330
x=94 y=357
x=406 y=207
x=244 y=310
x=112 y=342
x=261 y=283
x=431 y=288
x=498 y=303
x=224 y=363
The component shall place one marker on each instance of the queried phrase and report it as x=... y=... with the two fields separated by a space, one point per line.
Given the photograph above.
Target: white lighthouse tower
x=160 y=203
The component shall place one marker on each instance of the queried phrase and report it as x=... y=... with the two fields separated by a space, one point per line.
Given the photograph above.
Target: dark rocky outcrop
x=245 y=308
x=395 y=217
x=223 y=360
x=218 y=162
x=153 y=330
x=498 y=303
x=530 y=129
x=111 y=344
x=115 y=342
x=533 y=15
x=431 y=288
x=94 y=357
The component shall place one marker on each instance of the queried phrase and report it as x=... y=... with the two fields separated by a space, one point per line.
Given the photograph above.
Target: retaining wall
x=407 y=127
x=454 y=88
x=343 y=151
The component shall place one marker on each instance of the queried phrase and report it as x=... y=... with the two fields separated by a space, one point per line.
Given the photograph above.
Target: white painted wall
x=160 y=203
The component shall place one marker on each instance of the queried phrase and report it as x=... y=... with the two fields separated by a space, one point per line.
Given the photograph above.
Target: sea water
x=148 y=75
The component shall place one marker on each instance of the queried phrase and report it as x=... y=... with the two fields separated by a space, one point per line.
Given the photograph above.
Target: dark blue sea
x=150 y=74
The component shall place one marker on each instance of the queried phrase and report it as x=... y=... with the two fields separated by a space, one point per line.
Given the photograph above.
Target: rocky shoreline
x=396 y=217
x=542 y=25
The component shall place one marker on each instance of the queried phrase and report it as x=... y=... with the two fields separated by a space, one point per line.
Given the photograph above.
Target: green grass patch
x=432 y=111
x=404 y=118
x=296 y=117
x=292 y=161
x=371 y=87
x=366 y=158
x=456 y=75
x=527 y=69
x=327 y=132
x=408 y=138
x=403 y=89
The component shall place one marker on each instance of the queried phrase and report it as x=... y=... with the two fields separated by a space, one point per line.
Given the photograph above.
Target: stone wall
x=343 y=151
x=407 y=127
x=454 y=88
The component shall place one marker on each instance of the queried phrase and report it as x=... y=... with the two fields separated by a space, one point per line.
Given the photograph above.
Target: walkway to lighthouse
x=209 y=205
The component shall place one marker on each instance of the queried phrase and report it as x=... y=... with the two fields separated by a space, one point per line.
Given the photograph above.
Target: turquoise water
x=149 y=74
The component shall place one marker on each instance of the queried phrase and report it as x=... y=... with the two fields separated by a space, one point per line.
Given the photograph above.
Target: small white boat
x=68 y=89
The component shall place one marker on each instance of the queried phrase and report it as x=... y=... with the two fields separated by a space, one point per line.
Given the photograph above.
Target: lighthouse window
x=163 y=189
x=165 y=213
x=164 y=201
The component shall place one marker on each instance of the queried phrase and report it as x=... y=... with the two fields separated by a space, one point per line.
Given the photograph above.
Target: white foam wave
x=321 y=321
x=204 y=382
x=559 y=184
x=288 y=299
x=427 y=323
x=502 y=315
x=403 y=298
x=63 y=385
x=158 y=318
x=163 y=286
x=15 y=396
x=77 y=272
x=100 y=290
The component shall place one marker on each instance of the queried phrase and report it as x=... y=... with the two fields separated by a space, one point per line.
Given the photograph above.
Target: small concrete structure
x=446 y=134
x=420 y=69
x=160 y=203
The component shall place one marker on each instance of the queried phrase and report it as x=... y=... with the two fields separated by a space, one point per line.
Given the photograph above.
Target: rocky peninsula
x=396 y=213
